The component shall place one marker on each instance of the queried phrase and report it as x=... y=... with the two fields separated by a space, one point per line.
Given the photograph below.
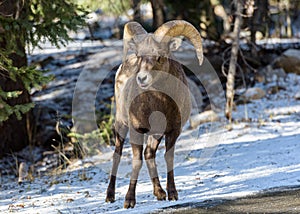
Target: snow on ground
x=211 y=163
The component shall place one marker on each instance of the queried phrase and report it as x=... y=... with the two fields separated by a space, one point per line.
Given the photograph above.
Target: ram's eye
x=160 y=59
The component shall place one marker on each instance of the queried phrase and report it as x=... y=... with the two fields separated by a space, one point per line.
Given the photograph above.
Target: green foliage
x=115 y=7
x=106 y=128
x=30 y=78
x=52 y=20
x=90 y=142
x=18 y=110
x=90 y=4
x=38 y=21
x=42 y=20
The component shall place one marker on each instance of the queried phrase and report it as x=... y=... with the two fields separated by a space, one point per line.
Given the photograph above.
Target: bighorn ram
x=152 y=99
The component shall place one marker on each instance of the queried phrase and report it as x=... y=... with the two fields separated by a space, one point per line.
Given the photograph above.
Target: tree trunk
x=259 y=17
x=135 y=5
x=288 y=20
x=233 y=60
x=158 y=13
x=13 y=132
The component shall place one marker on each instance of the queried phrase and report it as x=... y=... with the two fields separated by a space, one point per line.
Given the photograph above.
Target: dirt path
x=280 y=201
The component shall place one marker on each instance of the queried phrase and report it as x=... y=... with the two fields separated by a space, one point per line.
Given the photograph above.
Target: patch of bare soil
x=270 y=201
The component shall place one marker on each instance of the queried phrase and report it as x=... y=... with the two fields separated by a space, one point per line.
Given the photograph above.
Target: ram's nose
x=144 y=80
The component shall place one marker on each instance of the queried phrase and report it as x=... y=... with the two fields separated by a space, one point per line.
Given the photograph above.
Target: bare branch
x=233 y=61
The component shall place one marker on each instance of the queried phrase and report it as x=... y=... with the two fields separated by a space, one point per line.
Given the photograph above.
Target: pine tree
x=27 y=23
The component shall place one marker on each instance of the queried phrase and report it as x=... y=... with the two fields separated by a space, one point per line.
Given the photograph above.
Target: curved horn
x=131 y=31
x=182 y=28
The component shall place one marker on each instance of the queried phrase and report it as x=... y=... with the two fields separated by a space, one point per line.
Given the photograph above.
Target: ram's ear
x=174 y=44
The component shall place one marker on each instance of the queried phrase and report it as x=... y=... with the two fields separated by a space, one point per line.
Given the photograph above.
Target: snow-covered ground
x=211 y=162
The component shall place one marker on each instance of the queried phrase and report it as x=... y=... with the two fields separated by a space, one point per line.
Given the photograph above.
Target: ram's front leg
x=136 y=141
x=120 y=131
x=169 y=157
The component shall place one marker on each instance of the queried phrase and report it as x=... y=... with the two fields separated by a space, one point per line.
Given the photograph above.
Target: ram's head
x=153 y=51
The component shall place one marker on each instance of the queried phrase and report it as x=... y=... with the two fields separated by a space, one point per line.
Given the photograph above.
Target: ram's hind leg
x=120 y=134
x=150 y=154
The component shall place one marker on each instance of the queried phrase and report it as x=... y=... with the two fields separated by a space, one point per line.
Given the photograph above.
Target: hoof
x=129 y=203
x=160 y=194
x=110 y=197
x=173 y=196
